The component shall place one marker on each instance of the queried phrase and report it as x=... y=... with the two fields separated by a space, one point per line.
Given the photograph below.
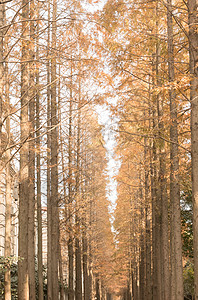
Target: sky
x=95 y=5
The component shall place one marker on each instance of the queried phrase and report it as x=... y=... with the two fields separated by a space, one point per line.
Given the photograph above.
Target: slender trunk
x=97 y=286
x=7 y=283
x=148 y=286
x=175 y=198
x=193 y=46
x=142 y=258
x=38 y=182
x=60 y=269
x=176 y=243
x=163 y=199
x=49 y=208
x=142 y=268
x=62 y=292
x=23 y=286
x=78 y=290
x=156 y=220
x=31 y=216
x=165 y=276
x=70 y=241
x=54 y=163
x=85 y=263
x=158 y=208
x=8 y=211
x=148 y=260
x=90 y=257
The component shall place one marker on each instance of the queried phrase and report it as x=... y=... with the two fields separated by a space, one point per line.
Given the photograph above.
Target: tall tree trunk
x=165 y=276
x=31 y=216
x=23 y=286
x=161 y=184
x=148 y=286
x=38 y=182
x=142 y=267
x=90 y=259
x=176 y=243
x=70 y=241
x=78 y=290
x=142 y=258
x=54 y=163
x=49 y=208
x=60 y=269
x=8 y=211
x=193 y=46
x=85 y=262
x=62 y=290
x=156 y=219
x=97 y=287
x=163 y=199
x=7 y=282
x=148 y=259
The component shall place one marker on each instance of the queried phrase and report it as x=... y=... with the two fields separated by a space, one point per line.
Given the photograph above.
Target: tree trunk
x=70 y=241
x=7 y=283
x=60 y=269
x=97 y=286
x=163 y=199
x=85 y=264
x=38 y=168
x=159 y=193
x=8 y=211
x=23 y=286
x=54 y=163
x=31 y=216
x=156 y=219
x=148 y=287
x=78 y=290
x=176 y=242
x=142 y=258
x=49 y=208
x=8 y=199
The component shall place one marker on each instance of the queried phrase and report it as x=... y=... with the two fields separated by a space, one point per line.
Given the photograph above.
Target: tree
x=23 y=285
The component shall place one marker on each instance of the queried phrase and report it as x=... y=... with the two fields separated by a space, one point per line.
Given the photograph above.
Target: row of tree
x=58 y=61
x=153 y=58
x=51 y=137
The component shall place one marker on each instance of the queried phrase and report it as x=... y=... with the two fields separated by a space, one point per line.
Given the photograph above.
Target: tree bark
x=78 y=290
x=176 y=242
x=8 y=211
x=31 y=216
x=54 y=163
x=85 y=264
x=97 y=286
x=49 y=208
x=60 y=269
x=23 y=286
x=156 y=205
x=38 y=182
x=70 y=241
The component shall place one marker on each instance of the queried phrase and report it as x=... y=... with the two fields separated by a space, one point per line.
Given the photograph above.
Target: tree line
x=153 y=57
x=58 y=62
x=51 y=138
